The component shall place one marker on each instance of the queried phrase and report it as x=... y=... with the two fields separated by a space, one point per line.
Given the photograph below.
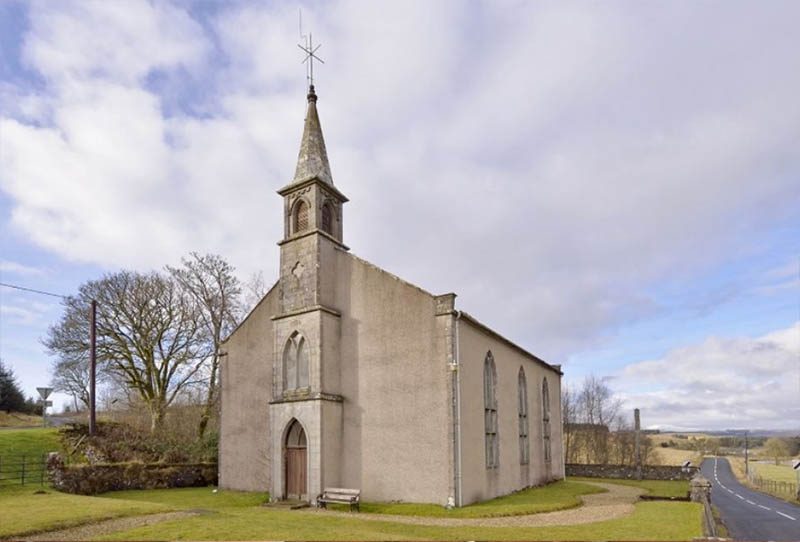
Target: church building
x=345 y=375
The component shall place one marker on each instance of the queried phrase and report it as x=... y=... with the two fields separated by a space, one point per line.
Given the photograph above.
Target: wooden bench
x=339 y=495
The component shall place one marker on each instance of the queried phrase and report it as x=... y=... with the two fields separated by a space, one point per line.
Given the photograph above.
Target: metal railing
x=23 y=470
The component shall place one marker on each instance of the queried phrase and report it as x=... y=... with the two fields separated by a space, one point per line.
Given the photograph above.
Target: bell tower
x=307 y=327
x=311 y=202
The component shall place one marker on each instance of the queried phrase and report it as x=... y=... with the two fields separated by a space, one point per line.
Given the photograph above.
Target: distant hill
x=755 y=432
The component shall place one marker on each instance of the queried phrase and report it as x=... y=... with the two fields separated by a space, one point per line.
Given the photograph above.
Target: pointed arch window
x=522 y=395
x=490 y=412
x=300 y=216
x=295 y=363
x=327 y=218
x=546 y=420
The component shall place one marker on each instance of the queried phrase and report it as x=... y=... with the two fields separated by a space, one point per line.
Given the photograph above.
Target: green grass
x=239 y=517
x=237 y=520
x=655 y=488
x=24 y=512
x=29 y=442
x=556 y=496
x=778 y=473
x=189 y=498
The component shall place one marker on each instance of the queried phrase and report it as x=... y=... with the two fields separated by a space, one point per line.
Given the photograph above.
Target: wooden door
x=295 y=467
x=295 y=473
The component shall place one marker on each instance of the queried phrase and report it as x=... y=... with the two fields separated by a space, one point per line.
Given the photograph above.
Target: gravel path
x=91 y=530
x=616 y=503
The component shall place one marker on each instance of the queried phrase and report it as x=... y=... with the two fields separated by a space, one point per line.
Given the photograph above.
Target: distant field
x=672 y=456
x=771 y=471
x=15 y=419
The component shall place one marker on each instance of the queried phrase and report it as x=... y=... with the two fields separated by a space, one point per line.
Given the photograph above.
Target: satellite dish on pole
x=44 y=392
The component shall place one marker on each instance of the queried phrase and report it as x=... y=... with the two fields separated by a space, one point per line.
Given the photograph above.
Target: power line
x=24 y=289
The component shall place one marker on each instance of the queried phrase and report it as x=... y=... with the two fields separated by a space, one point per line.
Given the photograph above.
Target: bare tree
x=569 y=419
x=211 y=282
x=255 y=288
x=776 y=448
x=149 y=335
x=597 y=412
x=71 y=374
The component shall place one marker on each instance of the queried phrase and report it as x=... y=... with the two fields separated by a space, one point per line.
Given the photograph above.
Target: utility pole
x=637 y=429
x=93 y=370
x=746 y=464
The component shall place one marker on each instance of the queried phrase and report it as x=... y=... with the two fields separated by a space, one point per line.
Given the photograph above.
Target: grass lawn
x=237 y=518
x=24 y=512
x=655 y=488
x=189 y=498
x=29 y=442
x=556 y=496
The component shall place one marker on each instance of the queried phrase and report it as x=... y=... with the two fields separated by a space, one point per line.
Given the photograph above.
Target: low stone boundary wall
x=99 y=478
x=649 y=472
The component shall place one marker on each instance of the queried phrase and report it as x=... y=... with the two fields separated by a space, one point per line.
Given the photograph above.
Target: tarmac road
x=749 y=514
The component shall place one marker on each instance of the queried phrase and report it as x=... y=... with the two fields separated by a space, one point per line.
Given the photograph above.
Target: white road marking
x=787 y=516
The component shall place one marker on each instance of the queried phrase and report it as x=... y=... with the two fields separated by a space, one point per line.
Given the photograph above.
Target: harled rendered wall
x=246 y=383
x=395 y=383
x=478 y=482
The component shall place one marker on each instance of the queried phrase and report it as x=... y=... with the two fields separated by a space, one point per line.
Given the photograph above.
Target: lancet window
x=490 y=412
x=327 y=218
x=300 y=217
x=546 y=420
x=524 y=445
x=295 y=363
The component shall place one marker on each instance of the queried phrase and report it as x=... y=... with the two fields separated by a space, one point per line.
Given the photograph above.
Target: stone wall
x=649 y=472
x=99 y=478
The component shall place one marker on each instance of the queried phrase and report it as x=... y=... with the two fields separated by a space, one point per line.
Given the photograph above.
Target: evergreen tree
x=11 y=396
x=32 y=406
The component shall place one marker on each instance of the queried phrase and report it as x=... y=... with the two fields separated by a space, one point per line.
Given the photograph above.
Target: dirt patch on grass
x=85 y=532
x=617 y=502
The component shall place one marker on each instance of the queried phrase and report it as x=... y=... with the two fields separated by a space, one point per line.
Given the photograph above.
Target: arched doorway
x=295 y=474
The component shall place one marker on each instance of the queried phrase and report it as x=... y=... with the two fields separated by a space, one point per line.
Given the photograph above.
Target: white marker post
x=796 y=467
x=44 y=393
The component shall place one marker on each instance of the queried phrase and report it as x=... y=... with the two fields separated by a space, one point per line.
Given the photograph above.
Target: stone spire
x=313 y=159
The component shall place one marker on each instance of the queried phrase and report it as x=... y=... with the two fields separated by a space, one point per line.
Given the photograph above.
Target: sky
x=614 y=187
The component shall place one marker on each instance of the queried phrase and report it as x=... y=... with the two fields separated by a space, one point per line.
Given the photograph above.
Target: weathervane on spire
x=310 y=51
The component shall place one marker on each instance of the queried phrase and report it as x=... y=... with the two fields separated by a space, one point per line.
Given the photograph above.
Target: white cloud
x=720 y=383
x=29 y=314
x=560 y=160
x=124 y=42
x=20 y=269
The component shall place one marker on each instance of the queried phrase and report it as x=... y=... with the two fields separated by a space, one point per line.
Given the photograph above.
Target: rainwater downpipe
x=457 y=408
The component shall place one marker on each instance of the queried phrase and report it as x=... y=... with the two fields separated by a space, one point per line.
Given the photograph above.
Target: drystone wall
x=99 y=478
x=649 y=472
